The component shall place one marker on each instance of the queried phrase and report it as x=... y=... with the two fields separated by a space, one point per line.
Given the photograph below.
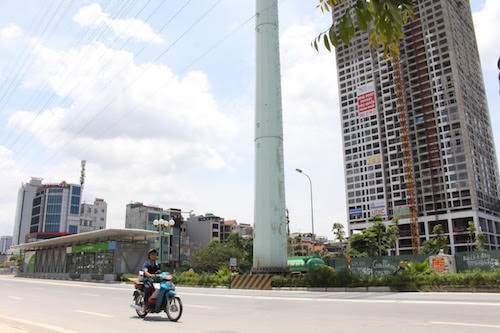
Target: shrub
x=289 y=281
x=321 y=276
x=188 y=278
x=125 y=277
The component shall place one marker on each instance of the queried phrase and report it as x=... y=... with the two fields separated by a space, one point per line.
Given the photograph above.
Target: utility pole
x=270 y=238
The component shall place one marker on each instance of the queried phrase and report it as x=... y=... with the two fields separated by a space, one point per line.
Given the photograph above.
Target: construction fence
x=386 y=265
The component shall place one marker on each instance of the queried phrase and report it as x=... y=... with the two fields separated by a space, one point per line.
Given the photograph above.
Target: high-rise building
x=5 y=244
x=93 y=216
x=22 y=221
x=450 y=136
x=55 y=211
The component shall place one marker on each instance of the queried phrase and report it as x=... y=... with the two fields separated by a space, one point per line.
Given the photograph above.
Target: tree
x=339 y=233
x=375 y=240
x=358 y=245
x=216 y=255
x=393 y=233
x=477 y=240
x=471 y=228
x=384 y=18
x=436 y=243
x=481 y=241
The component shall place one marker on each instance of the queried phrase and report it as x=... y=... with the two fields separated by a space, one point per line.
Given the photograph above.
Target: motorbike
x=163 y=298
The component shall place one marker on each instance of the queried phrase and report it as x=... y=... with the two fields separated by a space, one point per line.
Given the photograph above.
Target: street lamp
x=312 y=214
x=160 y=224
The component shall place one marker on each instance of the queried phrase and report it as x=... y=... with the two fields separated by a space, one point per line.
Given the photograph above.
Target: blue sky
x=158 y=98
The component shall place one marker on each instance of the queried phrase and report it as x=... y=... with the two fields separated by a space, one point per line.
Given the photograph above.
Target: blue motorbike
x=163 y=298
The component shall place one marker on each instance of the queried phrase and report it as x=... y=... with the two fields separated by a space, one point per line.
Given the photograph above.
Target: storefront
x=101 y=255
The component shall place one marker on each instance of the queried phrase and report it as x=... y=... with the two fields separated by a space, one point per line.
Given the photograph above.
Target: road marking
x=95 y=313
x=37 y=324
x=452 y=303
x=16 y=297
x=85 y=294
x=201 y=307
x=345 y=300
x=464 y=324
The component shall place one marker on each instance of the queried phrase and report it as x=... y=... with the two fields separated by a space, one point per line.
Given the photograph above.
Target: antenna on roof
x=82 y=174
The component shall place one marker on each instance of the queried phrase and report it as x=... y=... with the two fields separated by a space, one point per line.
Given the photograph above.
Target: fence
x=386 y=265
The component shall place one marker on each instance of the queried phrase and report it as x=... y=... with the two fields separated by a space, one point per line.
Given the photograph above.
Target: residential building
x=93 y=216
x=140 y=216
x=451 y=143
x=245 y=230
x=22 y=220
x=202 y=229
x=5 y=244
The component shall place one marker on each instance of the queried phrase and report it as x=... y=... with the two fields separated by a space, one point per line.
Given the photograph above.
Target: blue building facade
x=55 y=211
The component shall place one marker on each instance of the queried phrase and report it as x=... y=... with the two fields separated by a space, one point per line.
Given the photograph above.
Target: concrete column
x=270 y=237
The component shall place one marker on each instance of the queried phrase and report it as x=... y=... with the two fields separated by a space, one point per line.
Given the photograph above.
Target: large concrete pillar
x=270 y=253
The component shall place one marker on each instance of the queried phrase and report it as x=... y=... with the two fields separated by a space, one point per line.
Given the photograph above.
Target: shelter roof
x=89 y=237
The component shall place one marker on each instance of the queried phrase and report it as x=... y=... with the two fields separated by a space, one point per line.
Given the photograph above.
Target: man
x=150 y=268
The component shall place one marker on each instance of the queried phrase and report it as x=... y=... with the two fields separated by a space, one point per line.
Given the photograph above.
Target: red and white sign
x=367 y=104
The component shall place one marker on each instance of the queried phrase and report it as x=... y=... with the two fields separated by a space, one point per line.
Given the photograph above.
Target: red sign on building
x=367 y=104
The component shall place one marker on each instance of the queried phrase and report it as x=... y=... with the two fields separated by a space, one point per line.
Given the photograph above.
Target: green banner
x=92 y=247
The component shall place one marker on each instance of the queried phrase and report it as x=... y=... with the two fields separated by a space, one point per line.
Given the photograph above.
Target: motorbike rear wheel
x=139 y=301
x=174 y=308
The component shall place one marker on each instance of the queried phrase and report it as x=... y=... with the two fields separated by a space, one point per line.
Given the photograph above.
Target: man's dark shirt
x=152 y=269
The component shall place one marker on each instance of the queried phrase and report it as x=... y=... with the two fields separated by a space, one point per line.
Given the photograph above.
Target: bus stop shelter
x=101 y=255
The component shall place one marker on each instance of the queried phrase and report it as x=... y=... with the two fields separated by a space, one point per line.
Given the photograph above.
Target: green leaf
x=346 y=28
x=362 y=23
x=333 y=37
x=326 y=42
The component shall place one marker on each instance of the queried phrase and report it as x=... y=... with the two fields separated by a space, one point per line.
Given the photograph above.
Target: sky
x=158 y=98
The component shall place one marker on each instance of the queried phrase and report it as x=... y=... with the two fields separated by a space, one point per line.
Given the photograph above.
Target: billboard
x=355 y=213
x=378 y=208
x=367 y=104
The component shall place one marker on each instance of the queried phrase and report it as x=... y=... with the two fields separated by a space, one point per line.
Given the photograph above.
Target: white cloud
x=9 y=33
x=312 y=132
x=488 y=39
x=122 y=104
x=93 y=16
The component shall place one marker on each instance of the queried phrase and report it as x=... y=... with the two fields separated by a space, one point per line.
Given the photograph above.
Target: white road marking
x=345 y=300
x=37 y=324
x=16 y=297
x=464 y=324
x=201 y=307
x=95 y=295
x=95 y=313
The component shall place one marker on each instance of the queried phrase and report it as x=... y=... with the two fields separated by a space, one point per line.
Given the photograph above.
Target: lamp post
x=312 y=213
x=160 y=224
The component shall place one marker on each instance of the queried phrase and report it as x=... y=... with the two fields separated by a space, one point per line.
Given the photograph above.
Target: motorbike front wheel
x=174 y=308
x=139 y=301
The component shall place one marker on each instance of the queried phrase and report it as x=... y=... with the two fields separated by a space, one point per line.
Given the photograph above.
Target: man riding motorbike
x=150 y=268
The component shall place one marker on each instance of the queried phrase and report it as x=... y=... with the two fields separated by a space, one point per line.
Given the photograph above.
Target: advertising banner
x=367 y=104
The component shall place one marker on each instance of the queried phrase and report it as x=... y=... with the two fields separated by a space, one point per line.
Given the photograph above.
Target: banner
x=367 y=103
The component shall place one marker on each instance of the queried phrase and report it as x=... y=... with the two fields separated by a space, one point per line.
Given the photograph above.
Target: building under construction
x=453 y=174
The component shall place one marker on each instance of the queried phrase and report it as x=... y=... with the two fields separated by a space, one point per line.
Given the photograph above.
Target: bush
x=125 y=277
x=188 y=278
x=292 y=281
x=321 y=276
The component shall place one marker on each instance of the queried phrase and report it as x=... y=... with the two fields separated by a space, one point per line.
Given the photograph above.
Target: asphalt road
x=48 y=306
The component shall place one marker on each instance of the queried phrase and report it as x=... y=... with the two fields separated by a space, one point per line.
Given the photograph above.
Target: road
x=49 y=306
